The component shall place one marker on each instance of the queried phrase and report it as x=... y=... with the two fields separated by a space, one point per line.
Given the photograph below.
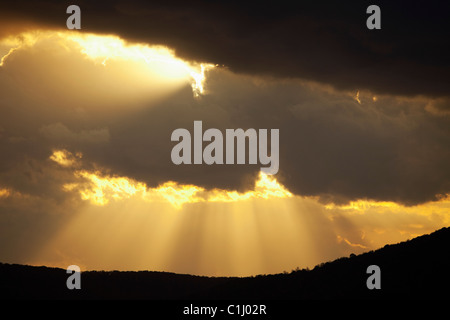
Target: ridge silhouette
x=417 y=268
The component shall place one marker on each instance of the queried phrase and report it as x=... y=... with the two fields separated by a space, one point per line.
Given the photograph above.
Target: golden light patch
x=223 y=233
x=103 y=188
x=11 y=44
x=265 y=187
x=4 y=193
x=64 y=158
x=175 y=193
x=4 y=57
x=364 y=206
x=357 y=97
x=100 y=188
x=103 y=48
x=345 y=240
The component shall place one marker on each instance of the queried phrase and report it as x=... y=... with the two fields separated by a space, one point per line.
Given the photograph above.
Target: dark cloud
x=330 y=145
x=325 y=41
x=394 y=148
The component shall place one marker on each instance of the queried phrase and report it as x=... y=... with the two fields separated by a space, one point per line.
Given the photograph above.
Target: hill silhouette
x=417 y=268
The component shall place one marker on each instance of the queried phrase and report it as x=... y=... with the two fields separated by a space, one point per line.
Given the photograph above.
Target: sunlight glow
x=363 y=206
x=64 y=157
x=14 y=43
x=104 y=48
x=4 y=193
x=199 y=79
x=2 y=60
x=158 y=58
x=265 y=187
x=84 y=214
x=219 y=232
x=354 y=245
x=104 y=188
x=100 y=188
x=357 y=97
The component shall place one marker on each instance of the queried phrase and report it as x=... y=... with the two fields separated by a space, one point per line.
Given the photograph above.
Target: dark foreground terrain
x=418 y=268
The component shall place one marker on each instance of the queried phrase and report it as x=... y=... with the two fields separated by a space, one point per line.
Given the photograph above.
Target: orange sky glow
x=120 y=223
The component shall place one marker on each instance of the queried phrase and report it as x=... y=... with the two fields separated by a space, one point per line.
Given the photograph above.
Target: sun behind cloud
x=108 y=48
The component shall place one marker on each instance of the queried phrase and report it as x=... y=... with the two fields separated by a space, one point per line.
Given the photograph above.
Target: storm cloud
x=335 y=144
x=323 y=41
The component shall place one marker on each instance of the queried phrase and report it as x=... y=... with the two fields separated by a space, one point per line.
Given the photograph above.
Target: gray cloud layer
x=331 y=146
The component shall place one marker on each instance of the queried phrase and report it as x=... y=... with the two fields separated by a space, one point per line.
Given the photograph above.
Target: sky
x=86 y=117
